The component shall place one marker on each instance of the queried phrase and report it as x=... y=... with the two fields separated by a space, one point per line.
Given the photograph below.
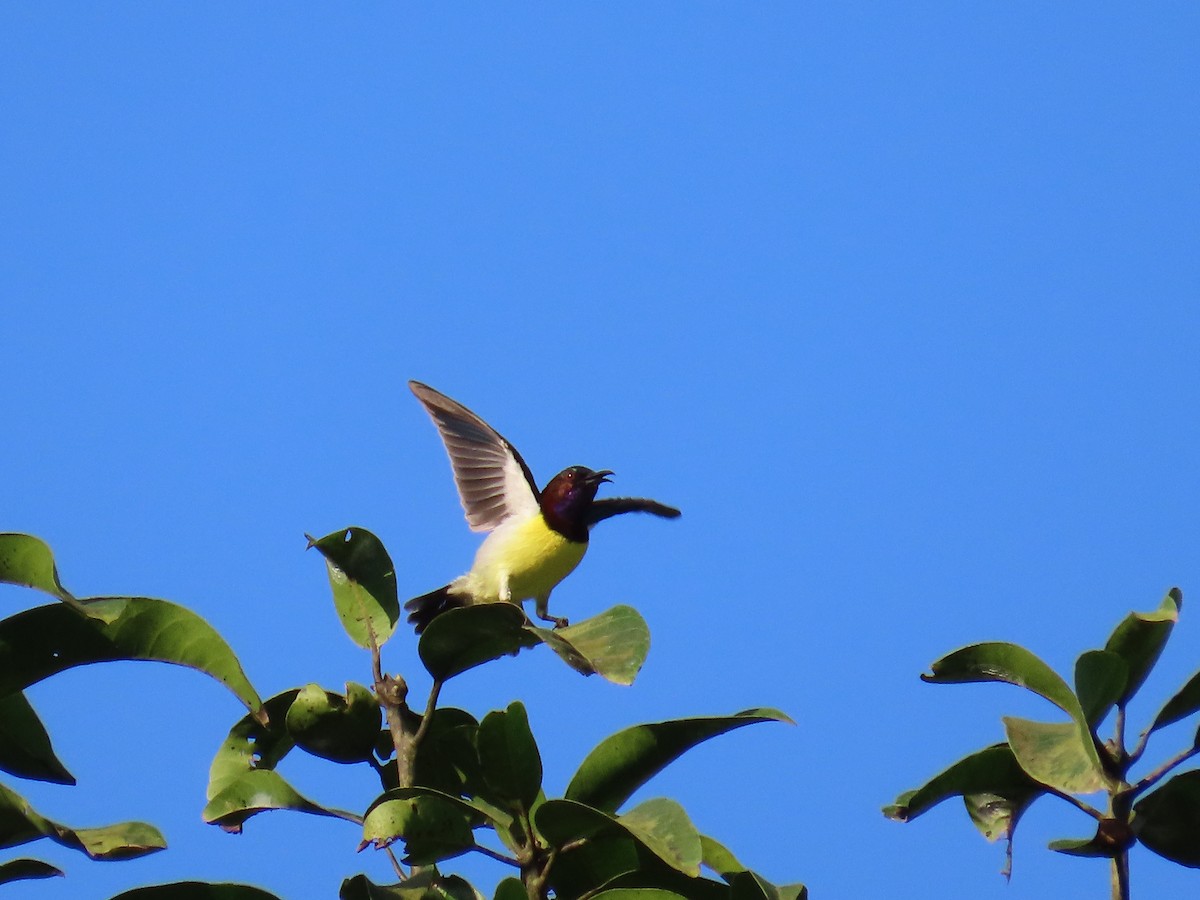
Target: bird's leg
x=543 y=612
x=505 y=589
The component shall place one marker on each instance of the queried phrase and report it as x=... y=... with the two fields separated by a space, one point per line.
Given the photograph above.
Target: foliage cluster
x=450 y=783
x=1070 y=760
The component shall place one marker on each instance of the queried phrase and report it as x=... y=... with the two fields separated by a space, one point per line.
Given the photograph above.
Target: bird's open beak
x=602 y=476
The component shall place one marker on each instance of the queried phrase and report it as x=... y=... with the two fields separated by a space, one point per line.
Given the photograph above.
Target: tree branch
x=1120 y=876
x=392 y=693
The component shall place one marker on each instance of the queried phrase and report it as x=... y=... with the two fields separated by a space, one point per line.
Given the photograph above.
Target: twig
x=430 y=706
x=1140 y=747
x=1076 y=802
x=1162 y=770
x=392 y=693
x=1122 y=757
x=499 y=857
x=396 y=863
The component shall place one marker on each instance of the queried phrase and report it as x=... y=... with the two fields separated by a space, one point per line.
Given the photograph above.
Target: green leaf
x=613 y=644
x=1012 y=664
x=1111 y=838
x=991 y=771
x=25 y=748
x=1167 y=820
x=1055 y=754
x=196 y=890
x=639 y=894
x=253 y=745
x=719 y=858
x=562 y=822
x=426 y=884
x=28 y=561
x=623 y=762
x=661 y=826
x=433 y=826
x=510 y=889
x=995 y=790
x=455 y=887
x=582 y=869
x=461 y=639
x=650 y=873
x=1007 y=663
x=509 y=757
x=615 y=860
x=752 y=886
x=20 y=823
x=22 y=869
x=993 y=815
x=364 y=584
x=1079 y=847
x=259 y=792
x=447 y=759
x=1182 y=705
x=360 y=887
x=337 y=728
x=1140 y=638
x=1100 y=680
x=46 y=640
x=242 y=781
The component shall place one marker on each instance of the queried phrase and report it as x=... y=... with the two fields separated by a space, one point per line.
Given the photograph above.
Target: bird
x=535 y=538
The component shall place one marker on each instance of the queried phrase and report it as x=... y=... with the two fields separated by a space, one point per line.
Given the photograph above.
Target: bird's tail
x=424 y=609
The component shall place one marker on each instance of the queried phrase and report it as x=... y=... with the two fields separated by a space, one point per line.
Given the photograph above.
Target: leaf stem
x=396 y=863
x=430 y=707
x=376 y=656
x=1140 y=747
x=1076 y=802
x=1162 y=770
x=499 y=857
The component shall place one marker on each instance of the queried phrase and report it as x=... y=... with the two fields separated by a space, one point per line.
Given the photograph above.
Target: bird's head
x=567 y=496
x=576 y=485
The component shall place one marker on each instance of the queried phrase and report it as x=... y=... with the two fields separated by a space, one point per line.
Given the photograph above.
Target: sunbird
x=535 y=538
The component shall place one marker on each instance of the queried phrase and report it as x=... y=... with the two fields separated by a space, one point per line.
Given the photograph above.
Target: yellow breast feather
x=528 y=554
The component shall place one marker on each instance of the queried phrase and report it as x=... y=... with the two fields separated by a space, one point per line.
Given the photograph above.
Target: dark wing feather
x=493 y=481
x=615 y=506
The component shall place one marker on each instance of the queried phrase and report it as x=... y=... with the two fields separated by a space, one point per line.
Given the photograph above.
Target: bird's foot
x=558 y=621
x=542 y=610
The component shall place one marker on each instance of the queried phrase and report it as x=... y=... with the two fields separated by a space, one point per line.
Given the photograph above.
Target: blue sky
x=898 y=302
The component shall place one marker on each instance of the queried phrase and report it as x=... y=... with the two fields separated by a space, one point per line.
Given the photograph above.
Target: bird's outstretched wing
x=615 y=506
x=493 y=481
